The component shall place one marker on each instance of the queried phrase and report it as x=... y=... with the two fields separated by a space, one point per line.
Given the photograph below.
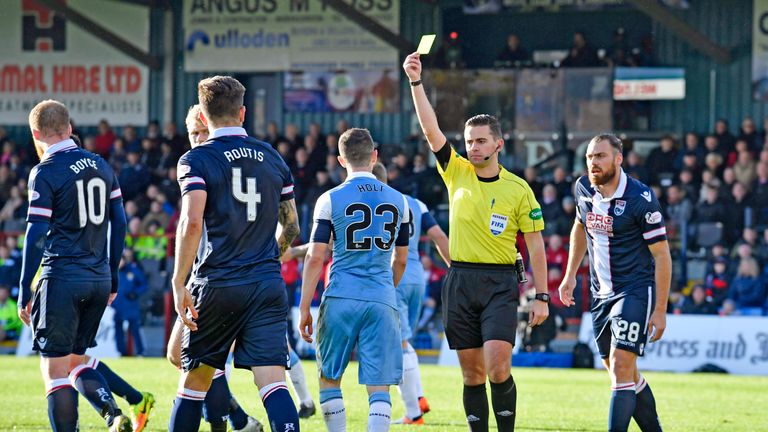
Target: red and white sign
x=44 y=56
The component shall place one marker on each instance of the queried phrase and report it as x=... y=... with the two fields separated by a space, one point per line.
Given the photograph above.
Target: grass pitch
x=548 y=399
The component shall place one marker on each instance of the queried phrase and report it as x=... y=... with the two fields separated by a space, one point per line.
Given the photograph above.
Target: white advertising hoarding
x=737 y=344
x=274 y=35
x=44 y=56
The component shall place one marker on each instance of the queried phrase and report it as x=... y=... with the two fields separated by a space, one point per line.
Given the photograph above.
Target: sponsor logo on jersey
x=646 y=195
x=497 y=224
x=619 y=208
x=653 y=218
x=535 y=214
x=34 y=195
x=600 y=224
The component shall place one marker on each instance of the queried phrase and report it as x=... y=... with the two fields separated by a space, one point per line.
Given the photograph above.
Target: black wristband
x=415 y=83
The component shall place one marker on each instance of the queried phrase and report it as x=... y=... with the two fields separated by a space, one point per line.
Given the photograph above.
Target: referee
x=488 y=206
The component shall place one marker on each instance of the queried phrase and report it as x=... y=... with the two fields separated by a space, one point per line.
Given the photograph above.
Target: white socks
x=332 y=407
x=409 y=387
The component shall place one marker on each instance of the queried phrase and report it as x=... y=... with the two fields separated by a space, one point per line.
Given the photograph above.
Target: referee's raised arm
x=424 y=111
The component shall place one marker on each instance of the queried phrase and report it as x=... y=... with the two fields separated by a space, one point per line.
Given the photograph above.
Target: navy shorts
x=254 y=316
x=66 y=315
x=621 y=321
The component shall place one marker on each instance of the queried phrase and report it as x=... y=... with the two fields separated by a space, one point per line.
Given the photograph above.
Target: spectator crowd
x=717 y=181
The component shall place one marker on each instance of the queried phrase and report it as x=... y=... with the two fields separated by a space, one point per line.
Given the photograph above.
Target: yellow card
x=426 y=44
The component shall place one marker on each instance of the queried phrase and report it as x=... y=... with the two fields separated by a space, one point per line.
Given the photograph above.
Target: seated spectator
x=729 y=308
x=7 y=182
x=747 y=289
x=104 y=140
x=341 y=127
x=634 y=167
x=10 y=323
x=582 y=54
x=550 y=210
x=131 y=209
x=334 y=169
x=532 y=178
x=712 y=209
x=435 y=275
x=713 y=162
x=170 y=187
x=134 y=177
x=178 y=142
x=740 y=203
x=679 y=210
x=733 y=155
x=292 y=136
x=661 y=161
x=316 y=153
x=167 y=160
x=717 y=281
x=725 y=140
x=762 y=248
x=569 y=214
x=556 y=253
x=698 y=304
x=562 y=183
x=156 y=215
x=554 y=278
x=749 y=134
x=321 y=185
x=332 y=144
x=691 y=163
x=513 y=53
x=150 y=154
x=745 y=169
x=690 y=145
x=131 y=285
x=689 y=185
x=16 y=206
x=303 y=174
x=760 y=194
x=118 y=156
x=131 y=138
x=272 y=135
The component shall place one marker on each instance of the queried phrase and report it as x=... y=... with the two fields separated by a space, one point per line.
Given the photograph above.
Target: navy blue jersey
x=71 y=189
x=245 y=180
x=367 y=219
x=619 y=230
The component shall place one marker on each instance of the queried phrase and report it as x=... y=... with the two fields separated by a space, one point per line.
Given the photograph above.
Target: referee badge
x=497 y=224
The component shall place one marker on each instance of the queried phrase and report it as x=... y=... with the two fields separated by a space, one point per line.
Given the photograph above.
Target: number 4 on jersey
x=250 y=196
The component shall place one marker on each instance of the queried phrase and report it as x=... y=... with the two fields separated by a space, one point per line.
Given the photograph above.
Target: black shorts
x=479 y=304
x=254 y=316
x=627 y=314
x=66 y=315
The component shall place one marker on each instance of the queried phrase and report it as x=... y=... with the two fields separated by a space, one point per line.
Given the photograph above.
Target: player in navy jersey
x=368 y=219
x=410 y=293
x=235 y=191
x=76 y=228
x=219 y=404
x=619 y=221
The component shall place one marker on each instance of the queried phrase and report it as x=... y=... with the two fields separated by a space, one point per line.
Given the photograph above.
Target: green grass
x=548 y=399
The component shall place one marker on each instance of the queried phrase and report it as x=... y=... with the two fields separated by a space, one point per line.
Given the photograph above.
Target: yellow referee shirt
x=485 y=216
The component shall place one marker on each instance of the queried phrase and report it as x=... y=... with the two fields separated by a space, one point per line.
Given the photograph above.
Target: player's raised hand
x=657 y=324
x=412 y=66
x=566 y=291
x=24 y=313
x=305 y=325
x=182 y=299
x=539 y=313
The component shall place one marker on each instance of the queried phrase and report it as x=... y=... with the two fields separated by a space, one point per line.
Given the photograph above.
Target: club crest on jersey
x=618 y=209
x=497 y=224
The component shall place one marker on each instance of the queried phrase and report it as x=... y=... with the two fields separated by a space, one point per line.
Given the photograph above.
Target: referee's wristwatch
x=542 y=297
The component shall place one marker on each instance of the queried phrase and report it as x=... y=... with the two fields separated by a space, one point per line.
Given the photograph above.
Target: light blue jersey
x=420 y=222
x=359 y=307
x=367 y=219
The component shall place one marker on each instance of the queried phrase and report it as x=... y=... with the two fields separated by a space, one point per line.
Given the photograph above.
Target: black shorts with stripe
x=254 y=316
x=66 y=315
x=621 y=320
x=479 y=304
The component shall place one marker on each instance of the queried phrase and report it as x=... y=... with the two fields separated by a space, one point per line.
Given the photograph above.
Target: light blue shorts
x=409 y=297
x=371 y=326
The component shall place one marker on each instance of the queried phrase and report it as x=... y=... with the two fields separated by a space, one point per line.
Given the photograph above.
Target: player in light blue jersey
x=359 y=307
x=410 y=293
